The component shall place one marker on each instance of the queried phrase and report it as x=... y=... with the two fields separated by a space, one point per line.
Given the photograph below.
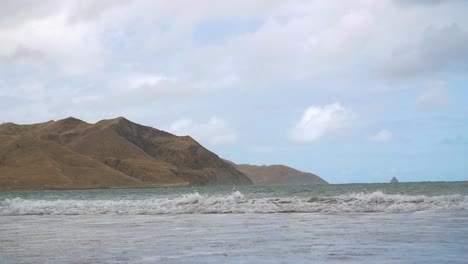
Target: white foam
x=236 y=202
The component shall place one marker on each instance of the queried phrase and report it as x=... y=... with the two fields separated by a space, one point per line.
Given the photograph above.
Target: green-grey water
x=329 y=190
x=339 y=223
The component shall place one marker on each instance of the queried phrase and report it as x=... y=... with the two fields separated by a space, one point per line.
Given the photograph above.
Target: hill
x=278 y=175
x=115 y=153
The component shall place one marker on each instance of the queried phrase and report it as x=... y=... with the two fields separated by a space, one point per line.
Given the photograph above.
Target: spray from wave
x=236 y=202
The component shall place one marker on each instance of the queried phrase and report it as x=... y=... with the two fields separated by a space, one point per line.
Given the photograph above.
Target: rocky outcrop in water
x=394 y=180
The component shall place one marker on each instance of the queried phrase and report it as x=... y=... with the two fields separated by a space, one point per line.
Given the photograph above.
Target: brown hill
x=278 y=175
x=116 y=153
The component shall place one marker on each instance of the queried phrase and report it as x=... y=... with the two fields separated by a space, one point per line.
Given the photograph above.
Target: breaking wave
x=236 y=202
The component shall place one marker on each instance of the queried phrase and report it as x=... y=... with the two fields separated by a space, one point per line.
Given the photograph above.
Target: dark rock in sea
x=394 y=180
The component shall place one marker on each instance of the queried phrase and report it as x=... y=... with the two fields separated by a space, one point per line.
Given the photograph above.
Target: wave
x=236 y=202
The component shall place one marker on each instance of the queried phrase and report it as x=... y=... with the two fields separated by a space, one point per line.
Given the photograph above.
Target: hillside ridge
x=113 y=153
x=278 y=174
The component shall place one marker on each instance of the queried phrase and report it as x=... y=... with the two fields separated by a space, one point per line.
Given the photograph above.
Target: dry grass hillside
x=116 y=153
x=278 y=175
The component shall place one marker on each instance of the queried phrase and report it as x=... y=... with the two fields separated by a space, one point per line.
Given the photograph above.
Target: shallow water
x=356 y=223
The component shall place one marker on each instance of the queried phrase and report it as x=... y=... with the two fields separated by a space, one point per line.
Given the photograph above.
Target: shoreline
x=93 y=188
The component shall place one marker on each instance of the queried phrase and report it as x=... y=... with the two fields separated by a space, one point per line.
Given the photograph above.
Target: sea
x=423 y=222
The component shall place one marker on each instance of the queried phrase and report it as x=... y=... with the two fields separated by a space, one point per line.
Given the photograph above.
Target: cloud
x=52 y=41
x=156 y=87
x=137 y=81
x=383 y=135
x=288 y=46
x=418 y=2
x=434 y=96
x=89 y=10
x=291 y=40
x=16 y=12
x=320 y=120
x=292 y=44
x=140 y=88
x=439 y=49
x=215 y=131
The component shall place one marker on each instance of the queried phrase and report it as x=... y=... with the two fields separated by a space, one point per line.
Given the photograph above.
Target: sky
x=353 y=91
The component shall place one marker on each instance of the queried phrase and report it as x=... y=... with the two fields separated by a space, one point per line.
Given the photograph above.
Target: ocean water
x=347 y=223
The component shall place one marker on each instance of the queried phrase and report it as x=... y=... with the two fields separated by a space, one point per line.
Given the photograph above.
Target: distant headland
x=114 y=153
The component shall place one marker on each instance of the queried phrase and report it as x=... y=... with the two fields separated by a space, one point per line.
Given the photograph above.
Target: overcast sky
x=354 y=91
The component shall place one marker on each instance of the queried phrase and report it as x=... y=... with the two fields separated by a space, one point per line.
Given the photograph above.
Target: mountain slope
x=278 y=175
x=116 y=153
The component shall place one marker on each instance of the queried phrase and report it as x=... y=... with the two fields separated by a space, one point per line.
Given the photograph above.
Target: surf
x=236 y=203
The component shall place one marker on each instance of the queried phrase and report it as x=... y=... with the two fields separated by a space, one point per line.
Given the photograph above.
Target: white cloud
x=290 y=44
x=435 y=96
x=16 y=12
x=74 y=48
x=320 y=120
x=383 y=135
x=143 y=87
x=137 y=81
x=215 y=131
x=437 y=49
x=418 y=2
x=294 y=40
x=327 y=45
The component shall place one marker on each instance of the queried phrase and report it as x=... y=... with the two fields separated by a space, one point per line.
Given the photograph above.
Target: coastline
x=58 y=188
